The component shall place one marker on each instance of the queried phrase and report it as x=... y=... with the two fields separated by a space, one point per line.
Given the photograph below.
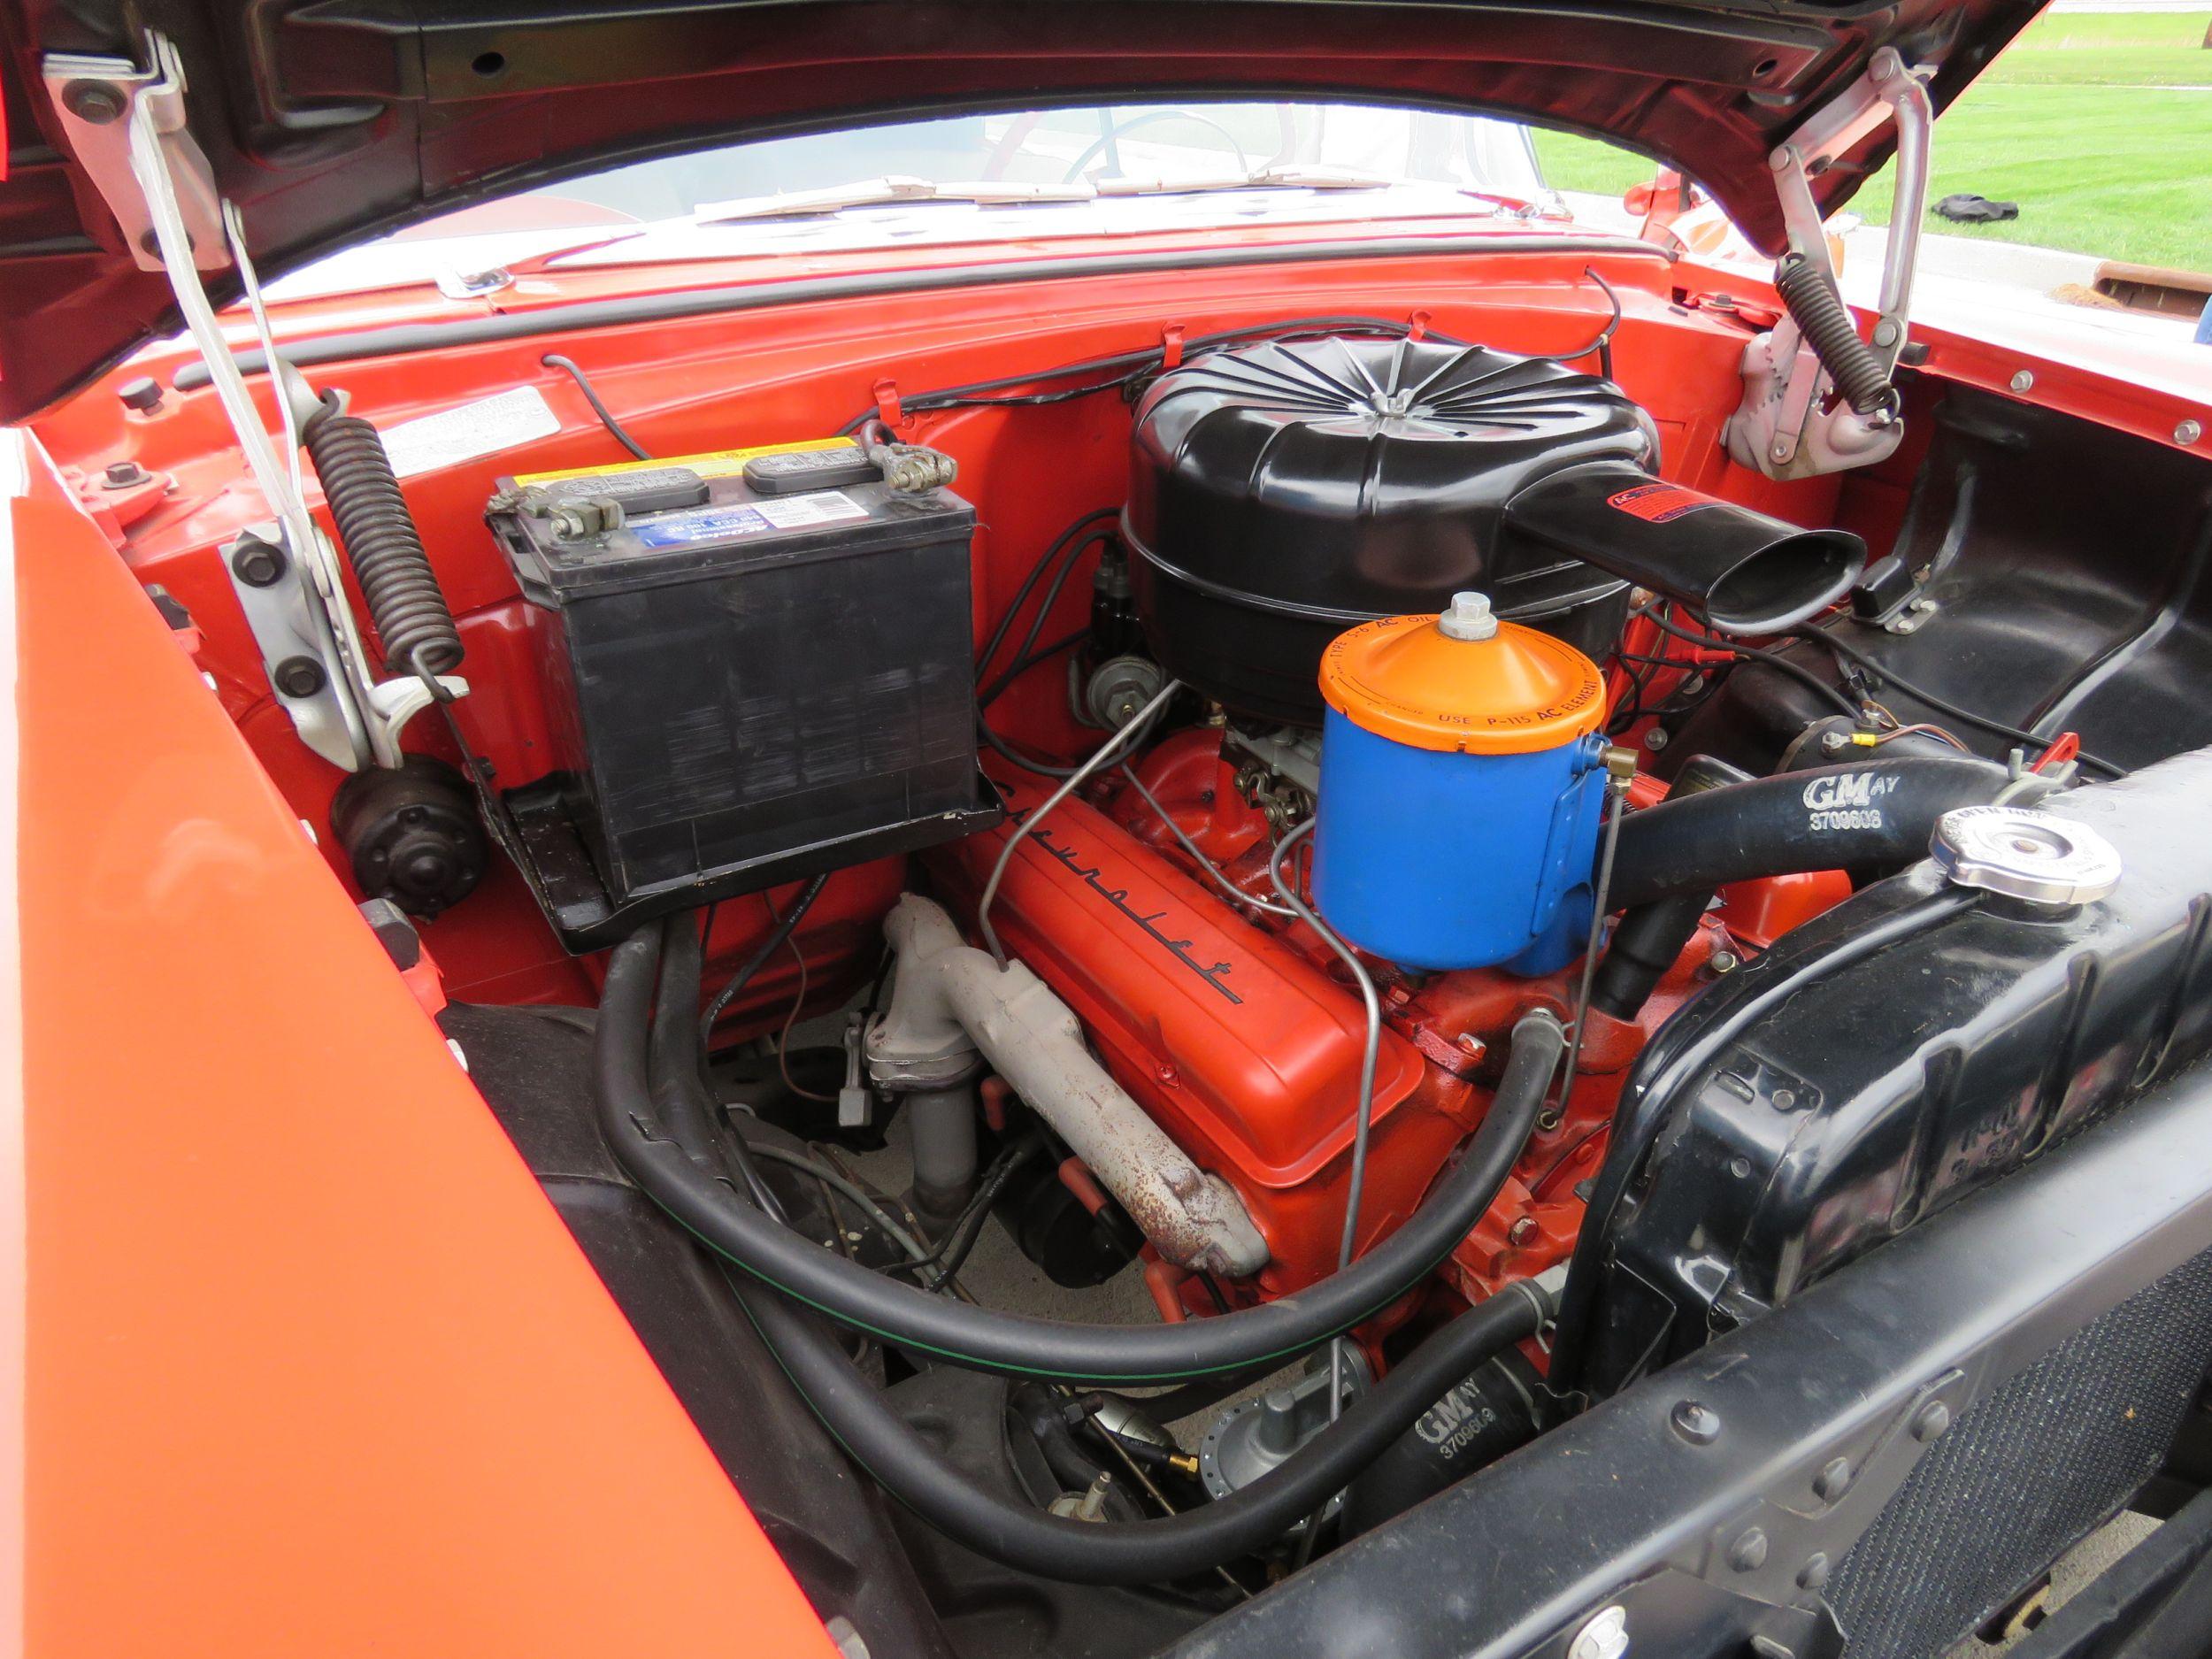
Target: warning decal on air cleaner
x=1658 y=503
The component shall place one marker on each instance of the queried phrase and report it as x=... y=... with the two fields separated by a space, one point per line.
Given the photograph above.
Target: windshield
x=979 y=178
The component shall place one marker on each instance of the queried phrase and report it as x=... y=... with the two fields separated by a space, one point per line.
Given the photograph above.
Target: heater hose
x=1017 y=1344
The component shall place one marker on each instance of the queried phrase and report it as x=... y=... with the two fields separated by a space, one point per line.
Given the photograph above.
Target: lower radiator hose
x=1132 y=1552
x=1016 y=1344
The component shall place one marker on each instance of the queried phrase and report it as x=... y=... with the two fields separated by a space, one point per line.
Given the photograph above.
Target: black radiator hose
x=1134 y=1552
x=1018 y=1345
x=1649 y=939
x=1869 y=817
x=1645 y=944
x=1718 y=825
x=686 y=1106
x=381 y=544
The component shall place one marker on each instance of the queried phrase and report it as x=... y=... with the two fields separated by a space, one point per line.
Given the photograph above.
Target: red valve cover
x=1237 y=1043
x=1238 y=1034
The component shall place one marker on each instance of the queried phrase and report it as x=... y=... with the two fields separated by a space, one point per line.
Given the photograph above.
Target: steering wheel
x=1151 y=118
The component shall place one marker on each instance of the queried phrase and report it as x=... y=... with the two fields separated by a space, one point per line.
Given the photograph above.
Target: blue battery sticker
x=698 y=524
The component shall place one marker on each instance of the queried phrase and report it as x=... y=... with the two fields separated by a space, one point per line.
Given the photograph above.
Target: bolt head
x=2188 y=432
x=1695 y=1422
x=1603 y=1636
x=257 y=563
x=425 y=870
x=298 y=677
x=1656 y=739
x=1748 y=1553
x=1522 y=1231
x=1930 y=1420
x=1723 y=962
x=2023 y=381
x=95 y=102
x=1813 y=1573
x=1468 y=618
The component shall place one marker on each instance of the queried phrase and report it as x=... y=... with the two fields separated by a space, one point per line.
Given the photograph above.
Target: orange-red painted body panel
x=313 y=1366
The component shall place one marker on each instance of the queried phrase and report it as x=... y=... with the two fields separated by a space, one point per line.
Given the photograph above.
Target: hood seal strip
x=405 y=339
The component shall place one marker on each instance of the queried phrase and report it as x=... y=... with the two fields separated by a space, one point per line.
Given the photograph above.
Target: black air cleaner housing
x=1283 y=492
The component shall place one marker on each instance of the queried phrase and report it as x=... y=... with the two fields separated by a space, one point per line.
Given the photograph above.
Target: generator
x=759 y=666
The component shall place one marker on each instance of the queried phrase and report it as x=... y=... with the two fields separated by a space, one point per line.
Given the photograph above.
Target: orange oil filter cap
x=1464 y=682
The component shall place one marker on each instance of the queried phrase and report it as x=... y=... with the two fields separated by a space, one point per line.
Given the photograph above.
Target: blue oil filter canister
x=1462 y=783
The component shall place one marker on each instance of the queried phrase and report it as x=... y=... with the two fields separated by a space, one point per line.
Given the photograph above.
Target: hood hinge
x=1792 y=422
x=127 y=127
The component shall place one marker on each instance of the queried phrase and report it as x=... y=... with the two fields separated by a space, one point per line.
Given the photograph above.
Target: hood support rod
x=129 y=129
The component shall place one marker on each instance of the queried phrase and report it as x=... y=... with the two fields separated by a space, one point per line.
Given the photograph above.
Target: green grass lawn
x=2077 y=122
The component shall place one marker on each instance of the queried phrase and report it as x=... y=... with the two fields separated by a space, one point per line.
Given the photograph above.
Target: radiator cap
x=2023 y=854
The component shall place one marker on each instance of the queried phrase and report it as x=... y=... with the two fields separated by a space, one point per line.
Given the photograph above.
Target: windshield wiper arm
x=890 y=190
x=1290 y=176
x=895 y=190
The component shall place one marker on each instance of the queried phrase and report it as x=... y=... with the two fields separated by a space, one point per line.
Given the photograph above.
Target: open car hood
x=324 y=121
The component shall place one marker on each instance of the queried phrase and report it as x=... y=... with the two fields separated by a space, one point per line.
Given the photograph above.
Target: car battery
x=747 y=685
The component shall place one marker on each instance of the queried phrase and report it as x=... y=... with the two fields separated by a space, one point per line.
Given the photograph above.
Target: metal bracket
x=1783 y=1545
x=1789 y=425
x=469 y=285
x=129 y=128
x=854 y=1104
x=95 y=100
x=290 y=625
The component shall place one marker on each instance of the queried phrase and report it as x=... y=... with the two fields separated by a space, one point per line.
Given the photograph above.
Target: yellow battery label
x=713 y=463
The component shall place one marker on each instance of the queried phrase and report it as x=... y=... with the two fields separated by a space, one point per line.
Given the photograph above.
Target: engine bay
x=1343 y=811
